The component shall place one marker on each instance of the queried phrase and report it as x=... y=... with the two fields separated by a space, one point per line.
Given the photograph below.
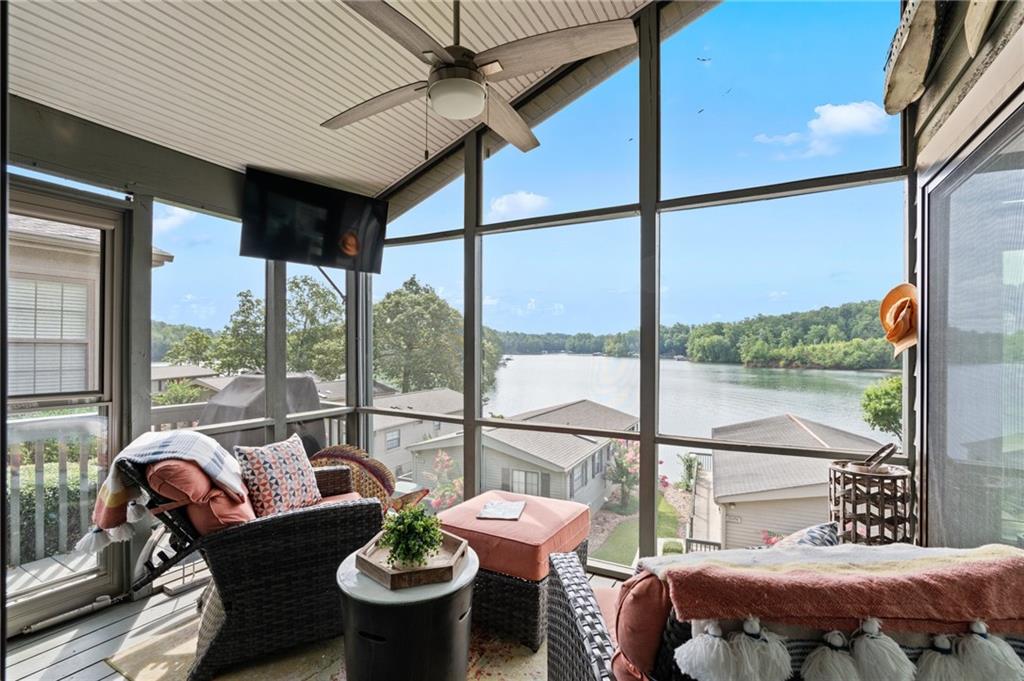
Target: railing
x=55 y=465
x=170 y=417
x=700 y=545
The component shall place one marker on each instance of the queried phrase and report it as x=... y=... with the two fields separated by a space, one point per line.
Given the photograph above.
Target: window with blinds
x=49 y=336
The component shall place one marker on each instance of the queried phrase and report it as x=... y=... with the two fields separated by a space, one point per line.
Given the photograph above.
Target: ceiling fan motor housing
x=457 y=91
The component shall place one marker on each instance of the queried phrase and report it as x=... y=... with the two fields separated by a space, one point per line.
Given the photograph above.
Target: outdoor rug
x=167 y=655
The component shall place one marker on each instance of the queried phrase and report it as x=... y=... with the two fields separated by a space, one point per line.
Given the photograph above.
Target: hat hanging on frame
x=898 y=313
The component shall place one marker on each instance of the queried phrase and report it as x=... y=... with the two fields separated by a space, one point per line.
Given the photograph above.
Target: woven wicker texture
x=579 y=647
x=512 y=607
x=370 y=478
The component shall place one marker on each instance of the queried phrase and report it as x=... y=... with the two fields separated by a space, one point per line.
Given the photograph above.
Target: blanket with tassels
x=933 y=590
x=849 y=588
x=119 y=502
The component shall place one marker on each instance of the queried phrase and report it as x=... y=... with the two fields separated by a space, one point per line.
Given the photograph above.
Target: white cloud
x=777 y=295
x=490 y=300
x=518 y=204
x=831 y=122
x=855 y=118
x=785 y=140
x=166 y=218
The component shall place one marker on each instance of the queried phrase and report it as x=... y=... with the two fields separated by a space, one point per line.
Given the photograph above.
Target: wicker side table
x=871 y=507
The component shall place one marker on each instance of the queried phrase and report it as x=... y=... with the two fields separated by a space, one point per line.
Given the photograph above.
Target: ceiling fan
x=456 y=86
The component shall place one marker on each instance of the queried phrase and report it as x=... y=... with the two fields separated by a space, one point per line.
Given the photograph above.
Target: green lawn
x=621 y=545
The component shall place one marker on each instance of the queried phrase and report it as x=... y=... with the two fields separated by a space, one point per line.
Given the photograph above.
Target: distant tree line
x=843 y=337
x=417 y=340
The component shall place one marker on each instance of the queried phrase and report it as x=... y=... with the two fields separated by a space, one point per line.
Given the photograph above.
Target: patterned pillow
x=826 y=534
x=279 y=476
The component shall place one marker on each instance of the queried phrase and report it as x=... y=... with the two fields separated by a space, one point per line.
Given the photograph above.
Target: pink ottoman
x=510 y=592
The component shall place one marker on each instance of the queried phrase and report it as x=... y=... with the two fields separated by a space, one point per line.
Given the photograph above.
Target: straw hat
x=898 y=314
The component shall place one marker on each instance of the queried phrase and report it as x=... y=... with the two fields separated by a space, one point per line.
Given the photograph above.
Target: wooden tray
x=372 y=561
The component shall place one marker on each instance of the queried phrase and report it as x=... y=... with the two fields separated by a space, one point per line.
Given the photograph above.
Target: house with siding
x=759 y=493
x=395 y=436
x=56 y=285
x=532 y=462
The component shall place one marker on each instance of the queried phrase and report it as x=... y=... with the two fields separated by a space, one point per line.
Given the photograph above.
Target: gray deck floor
x=77 y=649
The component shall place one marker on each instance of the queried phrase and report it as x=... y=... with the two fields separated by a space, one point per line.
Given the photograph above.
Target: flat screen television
x=301 y=222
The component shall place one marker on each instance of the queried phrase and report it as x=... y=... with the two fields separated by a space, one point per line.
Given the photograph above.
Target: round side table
x=415 y=634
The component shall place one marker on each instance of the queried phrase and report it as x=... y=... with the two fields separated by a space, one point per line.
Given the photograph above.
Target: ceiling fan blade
x=401 y=29
x=383 y=102
x=500 y=117
x=540 y=52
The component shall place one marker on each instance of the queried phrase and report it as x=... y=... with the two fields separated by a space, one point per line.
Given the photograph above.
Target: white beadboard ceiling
x=248 y=83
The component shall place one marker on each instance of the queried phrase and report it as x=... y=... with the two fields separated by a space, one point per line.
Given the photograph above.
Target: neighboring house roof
x=436 y=401
x=582 y=413
x=335 y=391
x=741 y=473
x=214 y=383
x=555 y=450
x=38 y=230
x=175 y=372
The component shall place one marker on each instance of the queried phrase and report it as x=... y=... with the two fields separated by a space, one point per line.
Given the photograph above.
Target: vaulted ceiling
x=248 y=83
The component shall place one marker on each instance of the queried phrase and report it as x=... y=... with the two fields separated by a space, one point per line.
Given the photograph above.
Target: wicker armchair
x=370 y=477
x=273 y=581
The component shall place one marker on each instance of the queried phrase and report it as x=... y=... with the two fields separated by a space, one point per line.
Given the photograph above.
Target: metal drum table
x=415 y=634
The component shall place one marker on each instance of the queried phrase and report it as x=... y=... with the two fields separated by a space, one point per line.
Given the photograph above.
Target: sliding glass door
x=61 y=425
x=975 y=346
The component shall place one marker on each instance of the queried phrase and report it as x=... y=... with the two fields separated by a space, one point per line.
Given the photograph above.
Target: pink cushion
x=608 y=603
x=279 y=476
x=641 y=615
x=519 y=547
x=211 y=509
x=348 y=496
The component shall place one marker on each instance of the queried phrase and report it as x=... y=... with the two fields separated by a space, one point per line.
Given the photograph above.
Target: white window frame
x=393 y=439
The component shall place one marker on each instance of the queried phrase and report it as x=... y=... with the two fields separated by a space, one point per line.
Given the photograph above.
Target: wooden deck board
x=77 y=650
x=73 y=650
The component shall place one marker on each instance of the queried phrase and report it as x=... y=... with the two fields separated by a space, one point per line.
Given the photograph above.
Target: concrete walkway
x=707 y=518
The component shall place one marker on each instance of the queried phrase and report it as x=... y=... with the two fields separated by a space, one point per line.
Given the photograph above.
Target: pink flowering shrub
x=624 y=469
x=770 y=538
x=446 y=491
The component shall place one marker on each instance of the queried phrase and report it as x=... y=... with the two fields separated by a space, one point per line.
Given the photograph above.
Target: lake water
x=694 y=397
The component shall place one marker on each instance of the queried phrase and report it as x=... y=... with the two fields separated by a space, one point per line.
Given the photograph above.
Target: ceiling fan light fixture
x=456 y=93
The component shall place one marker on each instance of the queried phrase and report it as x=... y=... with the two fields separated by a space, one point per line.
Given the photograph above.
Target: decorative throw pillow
x=826 y=534
x=279 y=476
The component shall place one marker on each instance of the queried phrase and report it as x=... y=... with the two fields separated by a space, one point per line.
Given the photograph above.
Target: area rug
x=167 y=655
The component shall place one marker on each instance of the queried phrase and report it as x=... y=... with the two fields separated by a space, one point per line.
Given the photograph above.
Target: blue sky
x=752 y=93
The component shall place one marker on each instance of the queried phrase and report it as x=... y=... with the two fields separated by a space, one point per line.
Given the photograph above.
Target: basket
x=870 y=500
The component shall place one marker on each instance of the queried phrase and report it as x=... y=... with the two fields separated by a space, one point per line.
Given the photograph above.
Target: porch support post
x=650 y=259
x=135 y=303
x=359 y=358
x=473 y=333
x=276 y=371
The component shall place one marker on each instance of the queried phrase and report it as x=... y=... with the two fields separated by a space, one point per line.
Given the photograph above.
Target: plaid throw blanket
x=910 y=588
x=116 y=494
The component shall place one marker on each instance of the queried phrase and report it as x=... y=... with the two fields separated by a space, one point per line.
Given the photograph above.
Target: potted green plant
x=411 y=537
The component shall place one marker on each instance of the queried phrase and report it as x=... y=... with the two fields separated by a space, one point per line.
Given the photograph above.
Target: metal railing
x=700 y=545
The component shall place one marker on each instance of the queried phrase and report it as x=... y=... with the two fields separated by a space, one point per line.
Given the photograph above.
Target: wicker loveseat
x=273 y=580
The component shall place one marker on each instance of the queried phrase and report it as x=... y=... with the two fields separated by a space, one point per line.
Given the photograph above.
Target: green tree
x=178 y=392
x=316 y=328
x=239 y=348
x=882 y=404
x=195 y=348
x=417 y=338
